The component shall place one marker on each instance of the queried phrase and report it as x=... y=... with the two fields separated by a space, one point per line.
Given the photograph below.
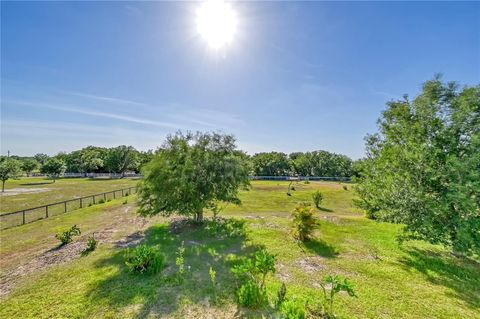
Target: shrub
x=252 y=273
x=91 y=244
x=317 y=199
x=303 y=222
x=125 y=201
x=345 y=188
x=306 y=182
x=293 y=309
x=180 y=260
x=281 y=295
x=101 y=201
x=213 y=275
x=223 y=227
x=144 y=259
x=250 y=295
x=336 y=284
x=65 y=237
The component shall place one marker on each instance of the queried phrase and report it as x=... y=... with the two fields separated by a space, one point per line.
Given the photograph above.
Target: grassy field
x=412 y=280
x=31 y=192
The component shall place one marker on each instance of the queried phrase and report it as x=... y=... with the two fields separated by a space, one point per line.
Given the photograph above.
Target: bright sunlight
x=216 y=23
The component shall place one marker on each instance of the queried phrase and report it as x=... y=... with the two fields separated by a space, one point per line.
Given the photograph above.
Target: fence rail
x=302 y=178
x=29 y=215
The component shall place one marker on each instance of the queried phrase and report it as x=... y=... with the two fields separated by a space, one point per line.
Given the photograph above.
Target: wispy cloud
x=108 y=99
x=114 y=116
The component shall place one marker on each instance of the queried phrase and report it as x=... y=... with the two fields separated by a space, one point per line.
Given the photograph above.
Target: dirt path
x=59 y=255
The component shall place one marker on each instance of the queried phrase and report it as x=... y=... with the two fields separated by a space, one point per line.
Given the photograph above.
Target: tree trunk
x=3 y=186
x=199 y=217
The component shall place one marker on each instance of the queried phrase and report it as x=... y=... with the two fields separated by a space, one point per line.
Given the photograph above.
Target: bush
x=144 y=259
x=303 y=222
x=293 y=309
x=223 y=227
x=335 y=285
x=101 y=201
x=281 y=295
x=65 y=237
x=252 y=273
x=345 y=188
x=317 y=199
x=250 y=295
x=91 y=244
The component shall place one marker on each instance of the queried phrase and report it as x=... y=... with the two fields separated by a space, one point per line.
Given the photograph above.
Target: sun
x=216 y=23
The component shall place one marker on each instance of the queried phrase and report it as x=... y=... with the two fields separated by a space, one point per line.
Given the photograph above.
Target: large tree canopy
x=191 y=173
x=54 y=167
x=423 y=167
x=9 y=168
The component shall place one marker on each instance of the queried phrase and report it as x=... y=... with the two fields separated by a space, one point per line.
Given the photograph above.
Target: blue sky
x=298 y=76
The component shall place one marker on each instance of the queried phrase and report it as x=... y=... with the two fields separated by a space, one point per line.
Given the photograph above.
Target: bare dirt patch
x=18 y=191
x=63 y=254
x=311 y=264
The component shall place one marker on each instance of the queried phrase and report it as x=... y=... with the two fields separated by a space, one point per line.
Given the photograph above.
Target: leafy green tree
x=423 y=167
x=191 y=173
x=41 y=158
x=90 y=161
x=270 y=164
x=120 y=159
x=144 y=158
x=9 y=168
x=54 y=167
x=29 y=165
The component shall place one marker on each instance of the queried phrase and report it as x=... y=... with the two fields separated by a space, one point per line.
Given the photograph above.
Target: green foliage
x=225 y=227
x=180 y=260
x=191 y=173
x=144 y=259
x=270 y=164
x=252 y=273
x=317 y=198
x=293 y=309
x=213 y=275
x=91 y=244
x=66 y=236
x=53 y=167
x=250 y=294
x=281 y=296
x=29 y=165
x=423 y=167
x=304 y=222
x=331 y=286
x=9 y=168
x=120 y=159
x=320 y=163
x=41 y=158
x=101 y=201
x=125 y=201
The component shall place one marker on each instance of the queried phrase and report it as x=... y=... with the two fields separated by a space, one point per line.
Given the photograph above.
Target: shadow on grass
x=36 y=183
x=461 y=275
x=324 y=209
x=163 y=294
x=320 y=247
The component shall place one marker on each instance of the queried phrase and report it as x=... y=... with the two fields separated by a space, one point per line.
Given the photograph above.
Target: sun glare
x=216 y=23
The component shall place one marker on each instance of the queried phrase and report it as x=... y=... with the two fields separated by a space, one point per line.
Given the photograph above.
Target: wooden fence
x=29 y=215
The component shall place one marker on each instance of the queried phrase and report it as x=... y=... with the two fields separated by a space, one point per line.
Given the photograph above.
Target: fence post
x=104 y=197
x=65 y=207
x=81 y=204
x=46 y=211
x=23 y=215
x=113 y=194
x=122 y=192
x=93 y=199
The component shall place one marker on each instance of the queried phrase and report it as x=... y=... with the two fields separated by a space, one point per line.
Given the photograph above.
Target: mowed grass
x=36 y=191
x=412 y=280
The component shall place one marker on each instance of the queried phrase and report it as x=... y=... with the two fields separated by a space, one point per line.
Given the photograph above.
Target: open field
x=413 y=280
x=36 y=191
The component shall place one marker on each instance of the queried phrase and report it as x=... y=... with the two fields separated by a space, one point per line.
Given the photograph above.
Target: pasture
x=392 y=280
x=36 y=191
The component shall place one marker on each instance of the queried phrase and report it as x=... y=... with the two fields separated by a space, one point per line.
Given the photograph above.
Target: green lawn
x=35 y=191
x=413 y=280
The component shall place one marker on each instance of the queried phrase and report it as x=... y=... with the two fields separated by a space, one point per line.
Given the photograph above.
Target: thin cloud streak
x=99 y=114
